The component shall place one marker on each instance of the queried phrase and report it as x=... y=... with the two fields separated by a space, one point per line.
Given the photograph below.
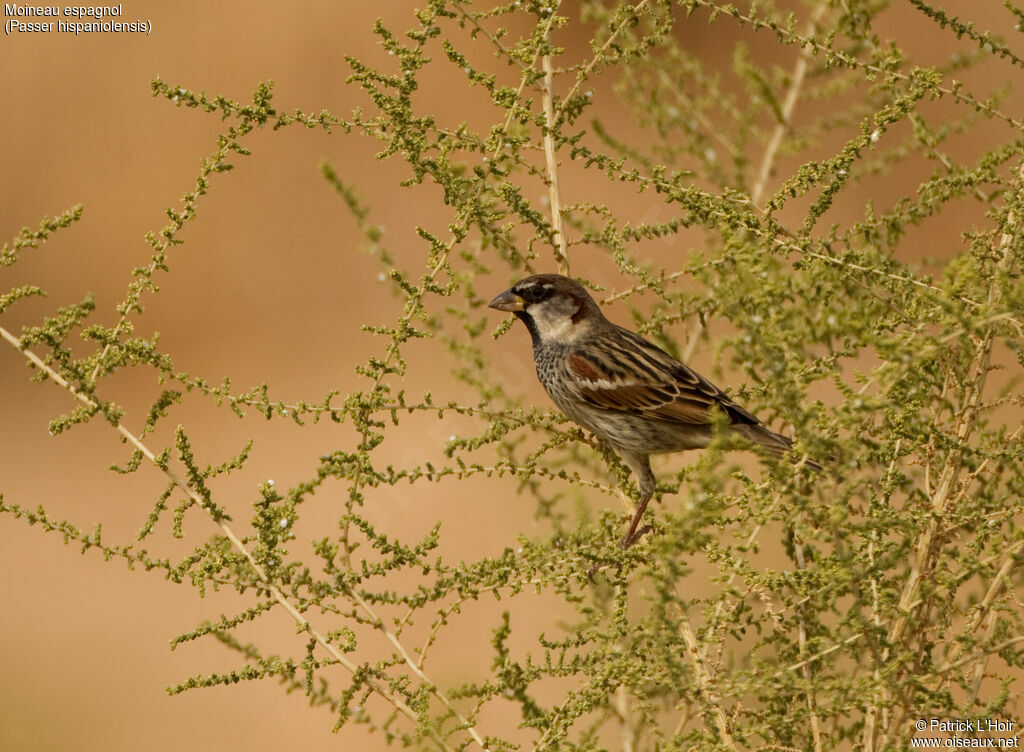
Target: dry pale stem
x=786 y=244
x=987 y=614
x=818 y=656
x=703 y=678
x=444 y=613
x=979 y=654
x=713 y=621
x=871 y=718
x=627 y=731
x=926 y=549
x=395 y=700
x=796 y=83
x=379 y=624
x=956 y=92
x=713 y=130
x=984 y=612
x=806 y=668
x=551 y=159
x=493 y=39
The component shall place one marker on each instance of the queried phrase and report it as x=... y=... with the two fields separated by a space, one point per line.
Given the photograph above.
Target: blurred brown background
x=271 y=285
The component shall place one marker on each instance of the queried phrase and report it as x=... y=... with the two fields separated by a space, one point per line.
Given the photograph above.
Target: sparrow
x=628 y=392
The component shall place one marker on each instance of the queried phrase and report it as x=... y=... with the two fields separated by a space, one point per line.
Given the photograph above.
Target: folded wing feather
x=636 y=376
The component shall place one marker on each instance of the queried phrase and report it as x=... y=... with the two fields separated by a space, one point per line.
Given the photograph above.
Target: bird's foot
x=633 y=536
x=635 y=530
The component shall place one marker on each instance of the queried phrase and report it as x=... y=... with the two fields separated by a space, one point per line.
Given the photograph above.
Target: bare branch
x=551 y=159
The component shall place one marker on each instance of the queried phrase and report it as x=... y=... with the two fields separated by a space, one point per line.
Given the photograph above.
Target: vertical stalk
x=551 y=160
x=703 y=678
x=943 y=498
x=806 y=668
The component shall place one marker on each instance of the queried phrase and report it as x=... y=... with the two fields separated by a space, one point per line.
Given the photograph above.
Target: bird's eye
x=535 y=293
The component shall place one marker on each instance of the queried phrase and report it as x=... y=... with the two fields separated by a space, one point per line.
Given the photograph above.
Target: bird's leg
x=641 y=465
x=635 y=531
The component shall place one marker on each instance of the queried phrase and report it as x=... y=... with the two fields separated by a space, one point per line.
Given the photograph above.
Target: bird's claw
x=629 y=539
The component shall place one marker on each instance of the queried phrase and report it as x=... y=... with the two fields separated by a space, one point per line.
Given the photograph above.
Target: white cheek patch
x=554 y=320
x=554 y=328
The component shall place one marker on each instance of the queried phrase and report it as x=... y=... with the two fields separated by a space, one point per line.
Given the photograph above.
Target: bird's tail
x=775 y=443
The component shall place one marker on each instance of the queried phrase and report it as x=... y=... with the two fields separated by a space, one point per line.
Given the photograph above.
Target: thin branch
x=987 y=614
x=921 y=126
x=818 y=656
x=806 y=668
x=698 y=113
x=551 y=160
x=774 y=142
x=265 y=581
x=703 y=677
x=380 y=626
x=620 y=705
x=796 y=83
x=412 y=305
x=494 y=40
x=791 y=247
x=983 y=654
x=415 y=301
x=596 y=60
x=642 y=286
x=925 y=550
x=972 y=399
x=849 y=61
x=871 y=717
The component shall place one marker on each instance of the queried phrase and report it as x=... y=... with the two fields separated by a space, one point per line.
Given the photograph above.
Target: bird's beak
x=507 y=301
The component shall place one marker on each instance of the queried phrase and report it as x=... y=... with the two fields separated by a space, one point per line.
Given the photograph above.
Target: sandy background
x=270 y=286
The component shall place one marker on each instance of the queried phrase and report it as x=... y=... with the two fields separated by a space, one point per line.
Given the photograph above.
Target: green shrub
x=901 y=596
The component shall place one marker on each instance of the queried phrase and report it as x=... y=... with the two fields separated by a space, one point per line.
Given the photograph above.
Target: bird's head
x=554 y=308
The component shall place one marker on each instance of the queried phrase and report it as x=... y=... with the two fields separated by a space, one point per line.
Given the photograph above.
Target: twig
x=976 y=383
x=698 y=113
x=987 y=614
x=643 y=286
x=414 y=301
x=924 y=551
x=788 y=105
x=871 y=717
x=621 y=707
x=380 y=626
x=713 y=621
x=551 y=159
x=818 y=656
x=921 y=126
x=767 y=160
x=494 y=40
x=265 y=581
x=453 y=607
x=984 y=654
x=806 y=668
x=849 y=61
x=551 y=726
x=594 y=61
x=703 y=677
x=787 y=245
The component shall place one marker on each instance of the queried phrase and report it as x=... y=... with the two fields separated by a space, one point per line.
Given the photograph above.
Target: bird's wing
x=628 y=373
